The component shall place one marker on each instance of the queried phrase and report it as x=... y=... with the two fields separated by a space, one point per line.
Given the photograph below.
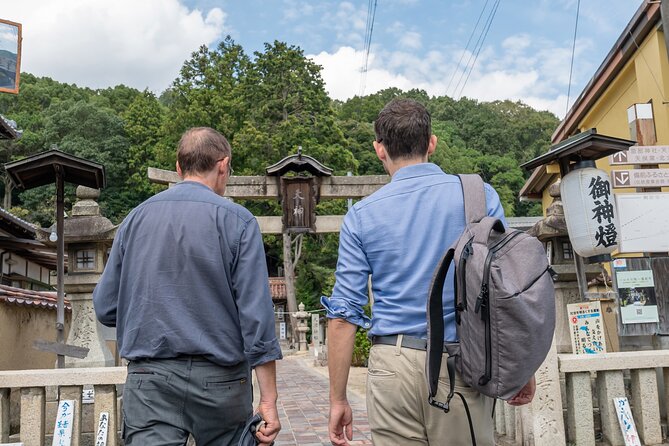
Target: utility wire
x=457 y=67
x=371 y=15
x=482 y=37
x=650 y=70
x=573 y=51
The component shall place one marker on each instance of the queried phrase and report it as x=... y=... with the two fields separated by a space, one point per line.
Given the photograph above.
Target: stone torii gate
x=277 y=185
x=263 y=187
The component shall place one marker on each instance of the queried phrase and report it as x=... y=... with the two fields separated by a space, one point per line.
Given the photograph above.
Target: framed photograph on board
x=10 y=56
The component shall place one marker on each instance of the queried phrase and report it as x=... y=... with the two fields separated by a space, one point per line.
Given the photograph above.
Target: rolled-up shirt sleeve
x=254 y=302
x=349 y=295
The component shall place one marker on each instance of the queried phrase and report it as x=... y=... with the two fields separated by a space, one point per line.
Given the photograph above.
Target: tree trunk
x=9 y=187
x=289 y=276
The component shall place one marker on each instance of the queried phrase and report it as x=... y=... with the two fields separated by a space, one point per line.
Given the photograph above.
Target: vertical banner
x=62 y=432
x=103 y=427
x=586 y=328
x=626 y=422
x=638 y=303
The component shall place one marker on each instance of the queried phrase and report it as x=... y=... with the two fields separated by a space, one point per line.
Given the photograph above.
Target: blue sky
x=415 y=44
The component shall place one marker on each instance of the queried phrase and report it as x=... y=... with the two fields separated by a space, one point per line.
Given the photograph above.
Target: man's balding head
x=200 y=148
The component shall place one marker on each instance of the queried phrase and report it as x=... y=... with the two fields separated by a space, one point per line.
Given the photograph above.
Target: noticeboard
x=643 y=218
x=586 y=328
x=638 y=303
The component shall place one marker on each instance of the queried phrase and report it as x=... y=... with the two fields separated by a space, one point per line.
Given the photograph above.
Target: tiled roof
x=277 y=287
x=15 y=225
x=19 y=296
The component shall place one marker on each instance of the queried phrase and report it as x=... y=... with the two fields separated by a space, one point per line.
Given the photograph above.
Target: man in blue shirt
x=397 y=236
x=186 y=287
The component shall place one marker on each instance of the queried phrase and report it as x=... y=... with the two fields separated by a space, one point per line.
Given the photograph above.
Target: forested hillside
x=266 y=104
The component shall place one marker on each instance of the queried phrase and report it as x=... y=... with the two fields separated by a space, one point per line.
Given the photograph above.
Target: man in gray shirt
x=186 y=288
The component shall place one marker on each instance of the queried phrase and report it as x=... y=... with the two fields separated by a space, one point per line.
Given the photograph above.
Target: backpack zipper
x=483 y=303
x=462 y=268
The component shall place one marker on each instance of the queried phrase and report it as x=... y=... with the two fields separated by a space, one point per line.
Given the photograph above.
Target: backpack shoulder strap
x=435 y=323
x=474 y=196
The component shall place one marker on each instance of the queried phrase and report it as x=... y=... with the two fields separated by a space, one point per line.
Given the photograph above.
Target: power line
x=482 y=38
x=371 y=15
x=573 y=51
x=457 y=67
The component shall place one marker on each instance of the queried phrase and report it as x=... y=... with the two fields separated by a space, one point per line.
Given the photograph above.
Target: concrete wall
x=19 y=327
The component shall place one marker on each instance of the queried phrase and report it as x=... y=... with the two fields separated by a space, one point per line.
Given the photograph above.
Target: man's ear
x=380 y=150
x=223 y=166
x=432 y=145
x=179 y=170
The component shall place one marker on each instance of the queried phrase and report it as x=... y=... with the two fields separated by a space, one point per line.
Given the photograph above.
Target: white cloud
x=533 y=71
x=411 y=40
x=100 y=43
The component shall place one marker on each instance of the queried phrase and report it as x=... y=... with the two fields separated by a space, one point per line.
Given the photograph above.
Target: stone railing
x=590 y=384
x=37 y=421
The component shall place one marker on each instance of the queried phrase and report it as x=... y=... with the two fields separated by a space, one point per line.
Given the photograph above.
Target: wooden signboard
x=626 y=421
x=61 y=349
x=643 y=220
x=62 y=431
x=103 y=427
x=640 y=178
x=299 y=204
x=641 y=155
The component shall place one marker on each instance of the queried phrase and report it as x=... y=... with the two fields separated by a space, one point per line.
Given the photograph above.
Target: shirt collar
x=193 y=183
x=417 y=170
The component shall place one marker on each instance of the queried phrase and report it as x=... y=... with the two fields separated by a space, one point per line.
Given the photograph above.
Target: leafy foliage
x=267 y=105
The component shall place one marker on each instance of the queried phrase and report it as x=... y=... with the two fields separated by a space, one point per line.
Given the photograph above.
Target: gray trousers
x=166 y=399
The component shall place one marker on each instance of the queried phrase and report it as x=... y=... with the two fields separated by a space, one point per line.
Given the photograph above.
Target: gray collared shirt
x=187 y=275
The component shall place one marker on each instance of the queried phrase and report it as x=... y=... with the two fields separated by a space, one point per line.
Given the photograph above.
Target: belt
x=411 y=342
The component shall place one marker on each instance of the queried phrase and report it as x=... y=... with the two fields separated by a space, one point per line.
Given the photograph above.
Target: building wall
x=644 y=78
x=14 y=264
x=20 y=326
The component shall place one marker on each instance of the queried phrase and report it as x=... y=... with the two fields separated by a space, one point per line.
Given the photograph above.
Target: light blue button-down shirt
x=398 y=235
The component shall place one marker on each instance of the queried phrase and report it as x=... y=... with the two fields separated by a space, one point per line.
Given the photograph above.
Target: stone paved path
x=303 y=406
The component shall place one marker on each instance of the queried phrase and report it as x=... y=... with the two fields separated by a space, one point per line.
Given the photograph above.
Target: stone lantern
x=88 y=237
x=302 y=327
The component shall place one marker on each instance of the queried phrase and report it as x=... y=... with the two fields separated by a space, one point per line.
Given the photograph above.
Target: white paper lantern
x=590 y=212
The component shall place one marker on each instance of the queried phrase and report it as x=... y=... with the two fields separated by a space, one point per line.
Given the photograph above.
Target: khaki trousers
x=398 y=410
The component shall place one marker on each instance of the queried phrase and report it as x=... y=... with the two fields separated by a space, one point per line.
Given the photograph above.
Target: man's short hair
x=200 y=148
x=404 y=127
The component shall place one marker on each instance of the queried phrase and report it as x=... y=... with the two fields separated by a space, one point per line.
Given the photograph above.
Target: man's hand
x=266 y=374
x=525 y=395
x=340 y=425
x=268 y=431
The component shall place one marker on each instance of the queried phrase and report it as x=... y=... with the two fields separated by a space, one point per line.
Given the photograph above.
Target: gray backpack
x=504 y=305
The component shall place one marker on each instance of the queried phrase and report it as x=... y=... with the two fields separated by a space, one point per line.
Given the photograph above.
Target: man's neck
x=208 y=181
x=393 y=166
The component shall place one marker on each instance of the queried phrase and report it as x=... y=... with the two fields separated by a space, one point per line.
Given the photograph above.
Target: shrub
x=361 y=349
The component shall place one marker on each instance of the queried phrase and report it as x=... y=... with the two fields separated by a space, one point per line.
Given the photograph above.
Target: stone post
x=88 y=236
x=546 y=408
x=302 y=327
x=316 y=332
